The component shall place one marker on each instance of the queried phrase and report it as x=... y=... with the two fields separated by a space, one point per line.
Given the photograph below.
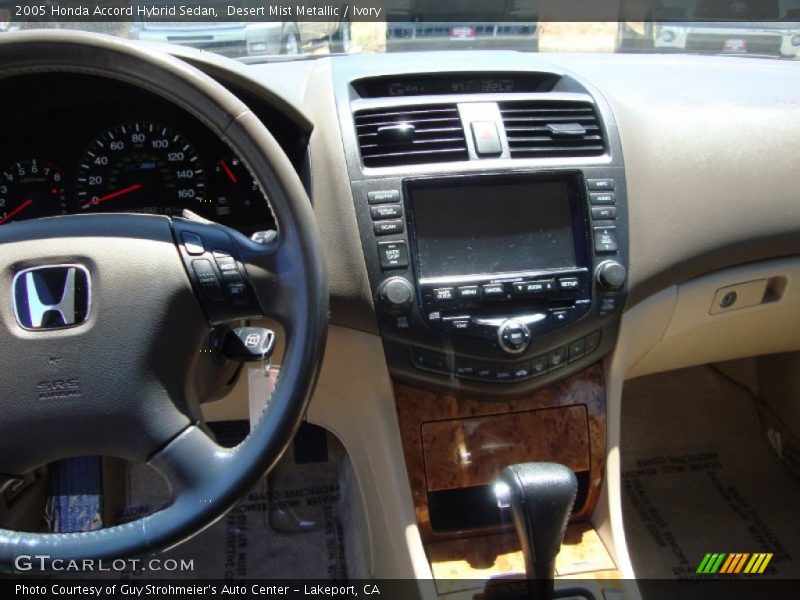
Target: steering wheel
x=122 y=364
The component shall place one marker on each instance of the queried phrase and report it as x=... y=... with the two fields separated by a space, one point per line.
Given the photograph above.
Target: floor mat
x=288 y=526
x=700 y=477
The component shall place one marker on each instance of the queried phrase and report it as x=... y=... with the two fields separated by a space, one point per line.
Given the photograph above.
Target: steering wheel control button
x=611 y=275
x=602 y=198
x=393 y=255
x=237 y=292
x=389 y=227
x=193 y=243
x=225 y=263
x=264 y=237
x=513 y=337
x=385 y=211
x=486 y=138
x=598 y=185
x=396 y=295
x=207 y=279
x=605 y=239
x=383 y=196
x=247 y=344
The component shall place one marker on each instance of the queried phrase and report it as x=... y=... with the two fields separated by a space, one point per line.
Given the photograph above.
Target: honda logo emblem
x=52 y=297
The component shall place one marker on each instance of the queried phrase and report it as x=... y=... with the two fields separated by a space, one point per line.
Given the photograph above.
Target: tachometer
x=140 y=167
x=29 y=189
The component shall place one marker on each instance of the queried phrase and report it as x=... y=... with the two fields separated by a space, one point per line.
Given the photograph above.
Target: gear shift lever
x=540 y=496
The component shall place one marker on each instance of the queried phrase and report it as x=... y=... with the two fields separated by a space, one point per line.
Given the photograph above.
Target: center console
x=497 y=279
x=498 y=260
x=492 y=210
x=501 y=278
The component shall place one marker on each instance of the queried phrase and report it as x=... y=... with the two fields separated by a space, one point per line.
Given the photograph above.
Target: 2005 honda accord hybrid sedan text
x=506 y=308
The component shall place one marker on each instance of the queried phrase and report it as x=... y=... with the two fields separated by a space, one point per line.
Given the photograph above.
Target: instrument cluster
x=132 y=154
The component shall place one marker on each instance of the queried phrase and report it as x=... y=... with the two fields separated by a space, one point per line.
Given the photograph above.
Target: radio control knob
x=611 y=275
x=513 y=337
x=396 y=295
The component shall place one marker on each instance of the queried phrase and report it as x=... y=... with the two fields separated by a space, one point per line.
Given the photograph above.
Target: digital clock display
x=434 y=85
x=483 y=85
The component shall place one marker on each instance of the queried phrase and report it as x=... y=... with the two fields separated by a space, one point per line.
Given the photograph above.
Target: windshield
x=254 y=31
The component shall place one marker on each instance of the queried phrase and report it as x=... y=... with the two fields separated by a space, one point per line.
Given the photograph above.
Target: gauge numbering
x=140 y=167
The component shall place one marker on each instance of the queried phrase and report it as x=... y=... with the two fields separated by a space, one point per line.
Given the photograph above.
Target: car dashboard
x=508 y=239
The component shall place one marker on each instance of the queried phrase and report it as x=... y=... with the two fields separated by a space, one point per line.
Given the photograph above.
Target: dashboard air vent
x=389 y=137
x=553 y=128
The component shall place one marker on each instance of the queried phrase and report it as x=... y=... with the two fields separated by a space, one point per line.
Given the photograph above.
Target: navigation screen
x=490 y=227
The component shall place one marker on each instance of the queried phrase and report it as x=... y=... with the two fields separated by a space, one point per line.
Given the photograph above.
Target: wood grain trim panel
x=416 y=407
x=467 y=452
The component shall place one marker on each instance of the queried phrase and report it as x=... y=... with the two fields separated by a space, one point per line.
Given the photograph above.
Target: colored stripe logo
x=733 y=563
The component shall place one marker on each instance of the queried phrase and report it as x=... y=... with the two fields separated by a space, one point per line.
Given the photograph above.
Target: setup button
x=569 y=283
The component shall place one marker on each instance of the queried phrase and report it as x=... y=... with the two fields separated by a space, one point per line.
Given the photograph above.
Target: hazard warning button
x=487 y=140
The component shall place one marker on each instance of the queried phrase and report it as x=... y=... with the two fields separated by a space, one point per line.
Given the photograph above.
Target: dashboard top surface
x=712 y=178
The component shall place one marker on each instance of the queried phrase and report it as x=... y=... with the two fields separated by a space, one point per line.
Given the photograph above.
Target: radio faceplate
x=471 y=318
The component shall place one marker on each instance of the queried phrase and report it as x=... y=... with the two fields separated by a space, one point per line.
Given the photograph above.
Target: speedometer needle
x=16 y=211
x=117 y=194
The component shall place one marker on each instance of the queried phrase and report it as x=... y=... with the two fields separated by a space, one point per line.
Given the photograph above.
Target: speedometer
x=140 y=167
